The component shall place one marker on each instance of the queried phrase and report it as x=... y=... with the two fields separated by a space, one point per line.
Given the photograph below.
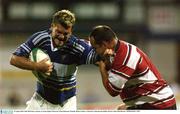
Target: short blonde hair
x=64 y=17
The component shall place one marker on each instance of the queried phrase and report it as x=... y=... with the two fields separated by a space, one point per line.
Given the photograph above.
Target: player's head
x=62 y=23
x=101 y=38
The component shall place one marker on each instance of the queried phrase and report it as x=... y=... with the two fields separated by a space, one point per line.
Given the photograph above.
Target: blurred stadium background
x=152 y=25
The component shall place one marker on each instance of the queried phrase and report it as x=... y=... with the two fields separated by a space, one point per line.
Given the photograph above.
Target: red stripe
x=140 y=74
x=118 y=89
x=166 y=104
x=128 y=93
x=123 y=70
x=147 y=62
x=126 y=70
x=110 y=89
x=120 y=55
x=129 y=53
x=120 y=74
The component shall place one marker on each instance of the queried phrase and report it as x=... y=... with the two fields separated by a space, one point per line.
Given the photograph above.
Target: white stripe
x=134 y=58
x=36 y=38
x=79 y=47
x=52 y=47
x=63 y=70
x=164 y=93
x=164 y=101
x=25 y=48
x=141 y=61
x=89 y=57
x=121 y=73
x=92 y=57
x=141 y=72
x=126 y=54
x=73 y=50
x=114 y=89
x=46 y=45
x=149 y=76
x=44 y=41
x=72 y=79
x=40 y=38
x=116 y=80
x=62 y=80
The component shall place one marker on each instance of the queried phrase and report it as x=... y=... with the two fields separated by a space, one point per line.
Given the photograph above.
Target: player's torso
x=135 y=60
x=64 y=60
x=145 y=84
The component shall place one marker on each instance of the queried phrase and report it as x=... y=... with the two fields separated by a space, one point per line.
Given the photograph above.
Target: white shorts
x=39 y=103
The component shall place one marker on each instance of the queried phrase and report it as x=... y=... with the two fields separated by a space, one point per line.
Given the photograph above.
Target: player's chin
x=60 y=43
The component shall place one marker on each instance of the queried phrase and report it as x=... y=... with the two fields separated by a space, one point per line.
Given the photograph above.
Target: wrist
x=101 y=68
x=35 y=66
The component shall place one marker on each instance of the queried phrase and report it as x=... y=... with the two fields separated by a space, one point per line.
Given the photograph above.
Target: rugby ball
x=37 y=55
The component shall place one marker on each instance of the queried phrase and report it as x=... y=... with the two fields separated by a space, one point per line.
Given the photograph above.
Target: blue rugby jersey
x=61 y=84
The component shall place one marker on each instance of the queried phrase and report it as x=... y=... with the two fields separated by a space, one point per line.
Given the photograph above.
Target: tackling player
x=66 y=52
x=128 y=72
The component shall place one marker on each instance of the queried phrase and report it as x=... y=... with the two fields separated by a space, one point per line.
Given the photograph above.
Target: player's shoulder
x=39 y=34
x=79 y=41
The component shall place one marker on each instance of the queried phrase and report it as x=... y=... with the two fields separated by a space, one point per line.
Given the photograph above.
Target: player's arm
x=121 y=107
x=20 y=56
x=24 y=63
x=104 y=76
x=89 y=56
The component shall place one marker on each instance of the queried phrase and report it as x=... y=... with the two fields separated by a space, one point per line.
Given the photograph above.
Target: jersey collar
x=117 y=46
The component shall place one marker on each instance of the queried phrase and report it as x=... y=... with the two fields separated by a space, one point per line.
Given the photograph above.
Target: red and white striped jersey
x=136 y=79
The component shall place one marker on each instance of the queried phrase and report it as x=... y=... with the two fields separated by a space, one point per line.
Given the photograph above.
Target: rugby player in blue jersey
x=66 y=52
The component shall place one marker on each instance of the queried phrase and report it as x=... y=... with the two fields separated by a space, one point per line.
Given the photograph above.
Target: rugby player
x=127 y=71
x=66 y=52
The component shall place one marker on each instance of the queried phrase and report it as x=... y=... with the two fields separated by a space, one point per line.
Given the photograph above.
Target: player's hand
x=108 y=53
x=44 y=66
x=107 y=56
x=121 y=107
x=101 y=65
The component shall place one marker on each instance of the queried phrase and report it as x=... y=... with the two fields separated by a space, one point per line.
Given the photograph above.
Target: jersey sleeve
x=33 y=41
x=123 y=67
x=89 y=56
x=25 y=48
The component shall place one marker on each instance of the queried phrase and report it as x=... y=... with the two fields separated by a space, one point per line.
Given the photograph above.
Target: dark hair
x=64 y=17
x=102 y=33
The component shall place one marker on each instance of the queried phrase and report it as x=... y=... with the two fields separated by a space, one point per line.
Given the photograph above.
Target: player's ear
x=52 y=25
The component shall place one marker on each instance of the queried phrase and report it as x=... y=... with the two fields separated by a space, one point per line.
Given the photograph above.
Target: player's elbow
x=13 y=60
x=113 y=94
x=110 y=90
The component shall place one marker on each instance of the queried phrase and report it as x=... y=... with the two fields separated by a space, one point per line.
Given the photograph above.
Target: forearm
x=105 y=79
x=104 y=76
x=22 y=62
